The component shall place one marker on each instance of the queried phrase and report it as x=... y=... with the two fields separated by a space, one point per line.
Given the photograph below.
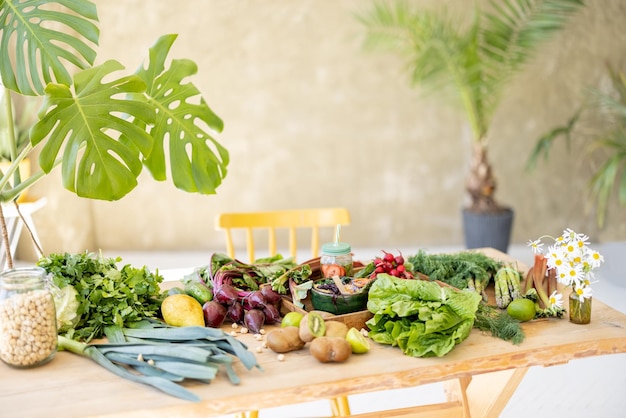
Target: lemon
x=358 y=341
x=291 y=319
x=521 y=309
x=181 y=310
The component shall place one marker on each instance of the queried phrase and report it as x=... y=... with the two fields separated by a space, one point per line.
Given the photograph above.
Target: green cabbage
x=67 y=303
x=420 y=317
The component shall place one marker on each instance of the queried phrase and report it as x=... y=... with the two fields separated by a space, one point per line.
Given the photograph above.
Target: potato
x=330 y=349
x=336 y=329
x=284 y=340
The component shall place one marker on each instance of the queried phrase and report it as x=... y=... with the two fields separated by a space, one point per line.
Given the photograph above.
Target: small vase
x=579 y=312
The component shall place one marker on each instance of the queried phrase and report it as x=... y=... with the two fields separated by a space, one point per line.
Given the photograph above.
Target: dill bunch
x=498 y=323
x=456 y=269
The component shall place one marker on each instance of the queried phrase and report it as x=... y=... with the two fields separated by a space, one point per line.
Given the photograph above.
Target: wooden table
x=481 y=374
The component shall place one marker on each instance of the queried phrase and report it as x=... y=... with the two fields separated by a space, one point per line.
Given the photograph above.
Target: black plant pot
x=488 y=229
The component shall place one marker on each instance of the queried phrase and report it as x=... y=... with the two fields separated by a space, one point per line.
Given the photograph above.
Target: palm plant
x=610 y=177
x=474 y=62
x=101 y=127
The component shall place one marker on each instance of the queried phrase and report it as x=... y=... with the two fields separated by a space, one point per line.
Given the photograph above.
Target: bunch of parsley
x=107 y=294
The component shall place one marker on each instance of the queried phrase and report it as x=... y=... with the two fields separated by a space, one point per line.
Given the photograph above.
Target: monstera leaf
x=95 y=164
x=29 y=29
x=110 y=130
x=183 y=123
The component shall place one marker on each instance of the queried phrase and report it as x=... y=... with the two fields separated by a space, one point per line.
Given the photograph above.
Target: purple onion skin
x=271 y=296
x=272 y=315
x=235 y=313
x=254 y=320
x=214 y=314
x=226 y=294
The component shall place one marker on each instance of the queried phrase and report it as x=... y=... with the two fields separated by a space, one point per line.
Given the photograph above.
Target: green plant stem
x=70 y=345
x=8 y=109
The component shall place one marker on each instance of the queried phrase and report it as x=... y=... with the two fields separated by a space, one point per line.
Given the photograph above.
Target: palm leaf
x=478 y=60
x=602 y=183
x=200 y=160
x=543 y=145
x=40 y=50
x=96 y=165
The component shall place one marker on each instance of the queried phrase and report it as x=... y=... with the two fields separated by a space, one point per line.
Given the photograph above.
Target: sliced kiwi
x=312 y=326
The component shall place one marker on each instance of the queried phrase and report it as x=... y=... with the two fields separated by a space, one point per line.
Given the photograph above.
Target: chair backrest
x=285 y=219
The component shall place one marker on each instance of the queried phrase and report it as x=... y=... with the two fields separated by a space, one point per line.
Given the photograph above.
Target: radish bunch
x=392 y=265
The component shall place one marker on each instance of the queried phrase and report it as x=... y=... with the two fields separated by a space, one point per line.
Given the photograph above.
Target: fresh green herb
x=299 y=275
x=106 y=294
x=498 y=323
x=366 y=271
x=466 y=269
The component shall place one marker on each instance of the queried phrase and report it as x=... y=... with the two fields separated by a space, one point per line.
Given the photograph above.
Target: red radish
x=388 y=257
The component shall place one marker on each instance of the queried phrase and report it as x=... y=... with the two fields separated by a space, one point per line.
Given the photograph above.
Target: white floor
x=582 y=388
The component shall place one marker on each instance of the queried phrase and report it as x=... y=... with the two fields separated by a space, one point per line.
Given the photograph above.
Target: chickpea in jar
x=28 y=333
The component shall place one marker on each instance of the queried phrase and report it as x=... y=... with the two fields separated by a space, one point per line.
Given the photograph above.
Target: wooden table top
x=73 y=386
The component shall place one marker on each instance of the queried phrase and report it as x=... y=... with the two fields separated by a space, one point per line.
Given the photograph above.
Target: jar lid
x=336 y=248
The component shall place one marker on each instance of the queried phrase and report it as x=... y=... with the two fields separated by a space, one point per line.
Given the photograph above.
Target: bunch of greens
x=421 y=317
x=241 y=275
x=499 y=324
x=105 y=294
x=464 y=270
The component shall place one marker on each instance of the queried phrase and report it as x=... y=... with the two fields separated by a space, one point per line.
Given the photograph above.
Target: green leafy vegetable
x=499 y=324
x=421 y=317
x=67 y=302
x=243 y=276
x=299 y=275
x=159 y=355
x=106 y=295
x=457 y=269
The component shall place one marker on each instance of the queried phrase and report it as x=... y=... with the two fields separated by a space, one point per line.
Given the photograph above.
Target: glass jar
x=28 y=328
x=579 y=311
x=336 y=260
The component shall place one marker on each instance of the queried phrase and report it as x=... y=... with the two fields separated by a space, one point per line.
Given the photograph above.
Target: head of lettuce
x=420 y=317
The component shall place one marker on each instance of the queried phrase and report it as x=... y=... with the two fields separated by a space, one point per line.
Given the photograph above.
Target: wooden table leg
x=340 y=407
x=484 y=395
x=490 y=392
x=456 y=390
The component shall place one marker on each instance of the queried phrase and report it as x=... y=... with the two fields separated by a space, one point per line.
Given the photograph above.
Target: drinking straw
x=337 y=231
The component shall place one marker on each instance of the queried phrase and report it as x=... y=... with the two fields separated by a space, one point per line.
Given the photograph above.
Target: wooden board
x=355 y=319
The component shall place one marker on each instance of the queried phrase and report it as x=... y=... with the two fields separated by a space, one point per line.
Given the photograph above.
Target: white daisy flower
x=536 y=245
x=556 y=300
x=582 y=292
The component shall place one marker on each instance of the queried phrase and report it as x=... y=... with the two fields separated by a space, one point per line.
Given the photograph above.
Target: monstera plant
x=473 y=61
x=100 y=123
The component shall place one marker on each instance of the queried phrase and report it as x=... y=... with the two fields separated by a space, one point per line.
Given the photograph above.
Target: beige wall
x=312 y=120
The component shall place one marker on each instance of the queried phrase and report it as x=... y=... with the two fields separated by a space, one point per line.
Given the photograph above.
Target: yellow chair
x=271 y=221
x=292 y=219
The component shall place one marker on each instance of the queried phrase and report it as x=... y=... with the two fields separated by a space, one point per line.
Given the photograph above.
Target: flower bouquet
x=571 y=262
